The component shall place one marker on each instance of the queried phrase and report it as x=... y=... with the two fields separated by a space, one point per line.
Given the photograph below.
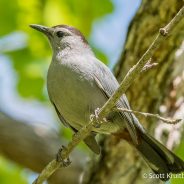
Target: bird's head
x=63 y=36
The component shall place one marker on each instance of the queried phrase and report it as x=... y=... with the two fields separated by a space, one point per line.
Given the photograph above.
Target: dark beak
x=43 y=29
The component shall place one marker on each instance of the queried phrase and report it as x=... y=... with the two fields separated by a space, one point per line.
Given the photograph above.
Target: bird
x=78 y=84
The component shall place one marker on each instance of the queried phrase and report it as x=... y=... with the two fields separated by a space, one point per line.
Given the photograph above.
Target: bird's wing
x=90 y=140
x=107 y=83
x=62 y=119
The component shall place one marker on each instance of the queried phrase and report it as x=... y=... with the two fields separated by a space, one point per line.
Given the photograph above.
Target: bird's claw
x=64 y=162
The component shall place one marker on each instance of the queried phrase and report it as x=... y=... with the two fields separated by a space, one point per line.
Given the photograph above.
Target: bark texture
x=119 y=162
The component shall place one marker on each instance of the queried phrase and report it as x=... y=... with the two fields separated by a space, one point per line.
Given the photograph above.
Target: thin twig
x=148 y=66
x=133 y=73
x=54 y=165
x=166 y=120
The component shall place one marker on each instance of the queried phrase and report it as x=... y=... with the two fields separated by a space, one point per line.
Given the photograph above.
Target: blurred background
x=26 y=113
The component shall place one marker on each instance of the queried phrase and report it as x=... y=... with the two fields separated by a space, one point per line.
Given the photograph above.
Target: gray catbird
x=78 y=83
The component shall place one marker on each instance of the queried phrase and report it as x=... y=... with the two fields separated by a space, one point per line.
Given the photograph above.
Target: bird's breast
x=73 y=92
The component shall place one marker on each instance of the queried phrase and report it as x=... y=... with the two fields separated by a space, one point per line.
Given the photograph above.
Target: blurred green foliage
x=179 y=151
x=11 y=173
x=31 y=62
x=31 y=59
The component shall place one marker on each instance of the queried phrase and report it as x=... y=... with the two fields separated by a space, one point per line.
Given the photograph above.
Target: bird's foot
x=64 y=162
x=95 y=117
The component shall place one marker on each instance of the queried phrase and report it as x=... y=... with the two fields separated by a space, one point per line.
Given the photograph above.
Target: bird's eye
x=60 y=34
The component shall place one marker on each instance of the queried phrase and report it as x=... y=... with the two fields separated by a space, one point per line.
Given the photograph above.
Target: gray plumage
x=78 y=83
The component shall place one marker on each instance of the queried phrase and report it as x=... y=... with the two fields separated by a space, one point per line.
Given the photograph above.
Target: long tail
x=158 y=157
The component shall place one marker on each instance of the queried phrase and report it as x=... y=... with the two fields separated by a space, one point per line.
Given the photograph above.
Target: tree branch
x=133 y=73
x=148 y=66
x=33 y=146
x=146 y=114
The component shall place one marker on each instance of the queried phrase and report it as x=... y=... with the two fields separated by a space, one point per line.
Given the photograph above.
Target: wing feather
x=107 y=83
